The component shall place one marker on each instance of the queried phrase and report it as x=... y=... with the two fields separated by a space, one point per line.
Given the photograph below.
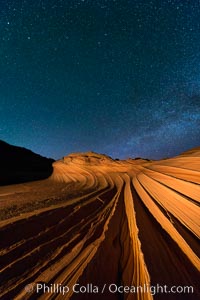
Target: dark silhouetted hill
x=19 y=165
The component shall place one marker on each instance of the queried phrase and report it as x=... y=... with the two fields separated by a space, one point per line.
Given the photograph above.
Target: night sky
x=120 y=77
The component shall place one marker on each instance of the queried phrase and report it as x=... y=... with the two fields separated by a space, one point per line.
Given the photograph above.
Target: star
x=117 y=77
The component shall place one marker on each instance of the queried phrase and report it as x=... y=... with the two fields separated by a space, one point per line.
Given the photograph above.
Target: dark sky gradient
x=117 y=77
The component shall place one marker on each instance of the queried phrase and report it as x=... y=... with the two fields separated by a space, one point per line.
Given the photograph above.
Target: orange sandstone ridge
x=87 y=158
x=105 y=225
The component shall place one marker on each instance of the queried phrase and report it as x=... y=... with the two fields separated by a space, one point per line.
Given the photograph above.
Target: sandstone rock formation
x=21 y=165
x=125 y=223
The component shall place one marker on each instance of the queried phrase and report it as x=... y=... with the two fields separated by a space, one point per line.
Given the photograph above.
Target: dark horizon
x=118 y=77
x=89 y=150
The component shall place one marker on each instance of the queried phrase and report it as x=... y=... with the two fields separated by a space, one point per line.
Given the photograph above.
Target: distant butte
x=21 y=165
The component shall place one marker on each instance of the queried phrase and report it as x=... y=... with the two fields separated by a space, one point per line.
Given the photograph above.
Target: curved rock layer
x=131 y=223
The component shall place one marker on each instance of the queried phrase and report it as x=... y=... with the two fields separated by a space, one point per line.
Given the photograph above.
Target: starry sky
x=120 y=77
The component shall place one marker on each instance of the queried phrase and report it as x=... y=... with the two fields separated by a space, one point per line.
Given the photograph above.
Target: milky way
x=117 y=77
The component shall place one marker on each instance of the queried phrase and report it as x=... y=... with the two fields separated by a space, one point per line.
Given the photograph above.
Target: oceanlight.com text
x=107 y=288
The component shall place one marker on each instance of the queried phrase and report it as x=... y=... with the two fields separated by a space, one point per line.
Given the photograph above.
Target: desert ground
x=101 y=221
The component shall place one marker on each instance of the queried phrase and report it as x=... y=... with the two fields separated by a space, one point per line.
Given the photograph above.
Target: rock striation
x=131 y=223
